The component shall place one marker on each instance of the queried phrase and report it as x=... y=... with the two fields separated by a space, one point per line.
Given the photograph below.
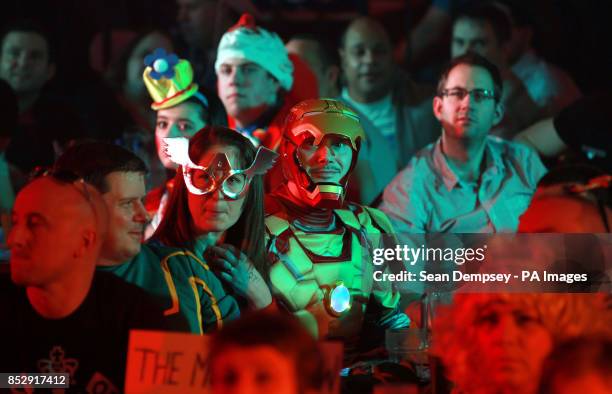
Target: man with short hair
x=467 y=181
x=181 y=281
x=27 y=63
x=486 y=30
x=375 y=87
x=258 y=82
x=59 y=315
x=321 y=60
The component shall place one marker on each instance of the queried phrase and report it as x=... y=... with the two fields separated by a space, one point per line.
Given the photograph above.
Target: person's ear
x=499 y=113
x=437 y=107
x=88 y=241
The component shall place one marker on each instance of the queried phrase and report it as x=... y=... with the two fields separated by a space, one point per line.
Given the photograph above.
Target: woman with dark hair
x=182 y=109
x=216 y=207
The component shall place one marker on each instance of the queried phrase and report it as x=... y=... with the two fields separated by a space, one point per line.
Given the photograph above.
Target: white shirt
x=381 y=113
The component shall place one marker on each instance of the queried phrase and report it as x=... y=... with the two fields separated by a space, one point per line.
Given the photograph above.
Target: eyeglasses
x=479 y=95
x=217 y=174
x=64 y=176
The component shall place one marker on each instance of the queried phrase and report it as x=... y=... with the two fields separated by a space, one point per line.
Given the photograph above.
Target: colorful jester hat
x=168 y=79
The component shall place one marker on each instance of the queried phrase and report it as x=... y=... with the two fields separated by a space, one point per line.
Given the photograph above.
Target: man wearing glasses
x=467 y=181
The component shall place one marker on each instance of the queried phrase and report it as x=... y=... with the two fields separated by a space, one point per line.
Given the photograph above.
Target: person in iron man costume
x=318 y=245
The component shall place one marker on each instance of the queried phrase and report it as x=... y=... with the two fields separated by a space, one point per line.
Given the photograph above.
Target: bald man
x=398 y=108
x=63 y=316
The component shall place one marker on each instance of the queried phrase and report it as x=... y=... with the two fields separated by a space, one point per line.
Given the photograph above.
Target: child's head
x=264 y=353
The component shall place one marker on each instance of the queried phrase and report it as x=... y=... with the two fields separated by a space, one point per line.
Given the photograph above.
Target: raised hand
x=235 y=268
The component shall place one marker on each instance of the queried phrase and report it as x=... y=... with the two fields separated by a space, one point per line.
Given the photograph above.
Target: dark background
x=573 y=34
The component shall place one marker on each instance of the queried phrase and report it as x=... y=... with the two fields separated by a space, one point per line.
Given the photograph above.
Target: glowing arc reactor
x=340 y=299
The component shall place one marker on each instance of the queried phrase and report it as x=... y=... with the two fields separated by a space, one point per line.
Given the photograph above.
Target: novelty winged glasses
x=217 y=172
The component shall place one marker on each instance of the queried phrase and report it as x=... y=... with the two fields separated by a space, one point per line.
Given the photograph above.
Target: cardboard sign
x=166 y=362
x=332 y=353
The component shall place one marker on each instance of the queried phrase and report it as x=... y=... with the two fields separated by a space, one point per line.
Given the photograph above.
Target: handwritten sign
x=165 y=362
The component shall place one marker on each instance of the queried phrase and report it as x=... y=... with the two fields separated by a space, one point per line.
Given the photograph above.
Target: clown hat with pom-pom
x=168 y=79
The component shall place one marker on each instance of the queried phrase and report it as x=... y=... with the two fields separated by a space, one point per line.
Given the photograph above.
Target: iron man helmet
x=313 y=122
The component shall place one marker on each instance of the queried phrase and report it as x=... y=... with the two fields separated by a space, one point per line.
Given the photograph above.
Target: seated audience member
x=551 y=88
x=267 y=345
x=582 y=128
x=27 y=63
x=373 y=170
x=486 y=30
x=580 y=365
x=397 y=107
x=216 y=208
x=315 y=239
x=320 y=58
x=166 y=273
x=59 y=315
x=570 y=199
x=467 y=181
x=182 y=110
x=258 y=81
x=125 y=76
x=496 y=343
